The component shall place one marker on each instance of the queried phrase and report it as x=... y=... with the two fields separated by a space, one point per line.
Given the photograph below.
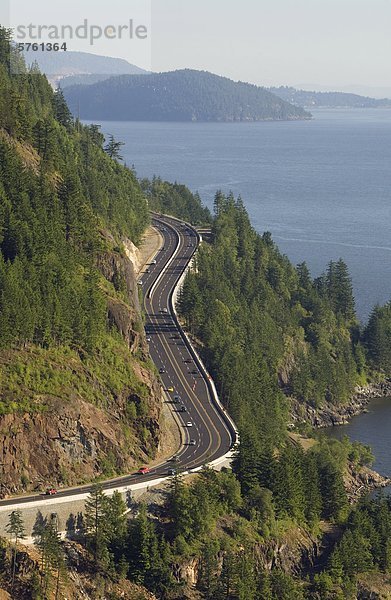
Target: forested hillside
x=267 y=327
x=175 y=199
x=184 y=95
x=67 y=290
x=78 y=398
x=308 y=99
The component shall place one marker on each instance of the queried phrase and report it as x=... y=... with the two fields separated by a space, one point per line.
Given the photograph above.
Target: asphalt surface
x=206 y=435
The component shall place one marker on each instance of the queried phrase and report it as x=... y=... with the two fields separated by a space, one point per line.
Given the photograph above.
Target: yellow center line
x=179 y=372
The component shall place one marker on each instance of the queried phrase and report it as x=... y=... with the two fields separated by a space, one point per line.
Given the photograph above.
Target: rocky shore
x=329 y=415
x=362 y=481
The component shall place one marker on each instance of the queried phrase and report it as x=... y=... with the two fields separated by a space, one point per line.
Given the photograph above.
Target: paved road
x=209 y=436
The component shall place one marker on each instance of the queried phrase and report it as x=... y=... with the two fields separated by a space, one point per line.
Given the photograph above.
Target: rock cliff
x=90 y=416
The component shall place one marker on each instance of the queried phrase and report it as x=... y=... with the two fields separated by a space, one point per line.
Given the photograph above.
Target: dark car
x=171 y=471
x=183 y=409
x=161 y=371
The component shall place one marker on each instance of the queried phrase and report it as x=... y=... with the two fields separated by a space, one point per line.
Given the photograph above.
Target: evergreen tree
x=113 y=148
x=96 y=509
x=15 y=527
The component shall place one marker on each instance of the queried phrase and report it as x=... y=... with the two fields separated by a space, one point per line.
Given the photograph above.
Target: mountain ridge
x=182 y=95
x=329 y=99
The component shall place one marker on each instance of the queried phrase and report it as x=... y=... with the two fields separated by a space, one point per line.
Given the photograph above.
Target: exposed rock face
x=83 y=581
x=125 y=315
x=70 y=442
x=329 y=415
x=363 y=481
x=295 y=553
x=75 y=438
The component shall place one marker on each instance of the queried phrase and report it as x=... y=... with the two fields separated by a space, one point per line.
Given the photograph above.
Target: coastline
x=358 y=482
x=330 y=416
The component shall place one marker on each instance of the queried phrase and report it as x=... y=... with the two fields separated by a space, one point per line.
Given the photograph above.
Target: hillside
x=77 y=389
x=184 y=95
x=70 y=68
x=310 y=100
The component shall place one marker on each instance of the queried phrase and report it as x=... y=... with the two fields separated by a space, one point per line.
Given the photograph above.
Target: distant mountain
x=327 y=99
x=69 y=68
x=184 y=95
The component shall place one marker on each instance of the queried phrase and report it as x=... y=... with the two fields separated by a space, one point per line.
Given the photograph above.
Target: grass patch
x=31 y=377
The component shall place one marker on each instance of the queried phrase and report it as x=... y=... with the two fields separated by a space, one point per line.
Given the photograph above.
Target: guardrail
x=209 y=381
x=77 y=497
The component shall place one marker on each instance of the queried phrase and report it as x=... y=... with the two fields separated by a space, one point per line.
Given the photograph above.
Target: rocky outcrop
x=359 y=482
x=89 y=426
x=82 y=582
x=373 y=586
x=123 y=312
x=74 y=441
x=295 y=553
x=330 y=415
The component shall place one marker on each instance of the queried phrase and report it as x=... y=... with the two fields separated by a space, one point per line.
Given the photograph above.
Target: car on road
x=165 y=310
x=175 y=458
x=189 y=424
x=172 y=471
x=183 y=409
x=51 y=492
x=194 y=372
x=192 y=443
x=176 y=400
x=148 y=339
x=170 y=389
x=188 y=361
x=143 y=470
x=140 y=282
x=154 y=262
x=162 y=370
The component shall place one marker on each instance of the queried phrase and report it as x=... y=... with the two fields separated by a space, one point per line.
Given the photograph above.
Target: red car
x=143 y=470
x=51 y=492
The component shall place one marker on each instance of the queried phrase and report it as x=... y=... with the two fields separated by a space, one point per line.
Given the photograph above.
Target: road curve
x=211 y=434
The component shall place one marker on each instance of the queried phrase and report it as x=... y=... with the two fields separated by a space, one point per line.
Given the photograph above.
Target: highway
x=205 y=430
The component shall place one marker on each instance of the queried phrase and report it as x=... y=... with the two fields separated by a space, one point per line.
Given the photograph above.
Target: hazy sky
x=324 y=42
x=331 y=43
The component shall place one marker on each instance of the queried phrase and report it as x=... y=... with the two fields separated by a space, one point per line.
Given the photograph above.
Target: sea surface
x=322 y=187
x=374 y=429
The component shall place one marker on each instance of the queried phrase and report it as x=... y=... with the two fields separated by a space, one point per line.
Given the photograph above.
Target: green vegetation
x=66 y=206
x=59 y=191
x=264 y=323
x=377 y=338
x=30 y=378
x=364 y=548
x=175 y=199
x=184 y=95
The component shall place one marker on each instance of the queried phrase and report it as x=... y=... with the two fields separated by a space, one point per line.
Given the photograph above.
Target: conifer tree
x=15 y=527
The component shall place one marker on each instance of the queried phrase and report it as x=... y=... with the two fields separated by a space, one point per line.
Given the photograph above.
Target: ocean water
x=373 y=429
x=322 y=187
